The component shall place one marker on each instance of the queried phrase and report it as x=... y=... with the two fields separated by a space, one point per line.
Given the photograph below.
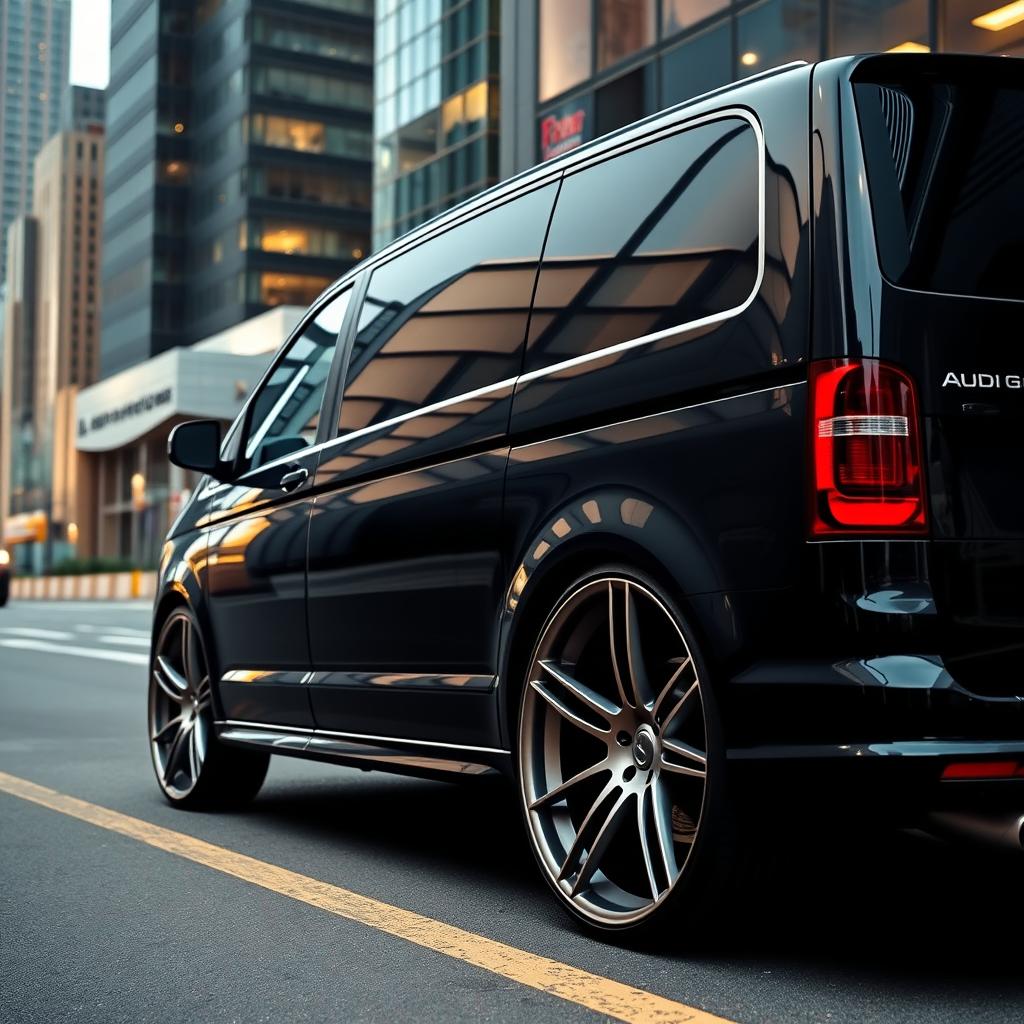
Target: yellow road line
x=603 y=995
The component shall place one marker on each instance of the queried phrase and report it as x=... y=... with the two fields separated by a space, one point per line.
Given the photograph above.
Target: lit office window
x=680 y=14
x=985 y=26
x=623 y=27
x=298 y=239
x=565 y=37
x=882 y=25
x=775 y=33
x=464 y=113
x=290 y=289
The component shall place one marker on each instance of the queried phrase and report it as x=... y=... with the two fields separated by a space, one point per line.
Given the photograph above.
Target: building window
x=984 y=26
x=775 y=32
x=565 y=43
x=620 y=102
x=322 y=42
x=310 y=136
x=309 y=186
x=702 y=63
x=275 y=289
x=285 y=83
x=679 y=14
x=896 y=23
x=465 y=113
x=623 y=27
x=297 y=239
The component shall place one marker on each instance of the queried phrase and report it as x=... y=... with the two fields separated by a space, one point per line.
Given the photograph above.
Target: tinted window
x=945 y=158
x=288 y=406
x=649 y=240
x=447 y=318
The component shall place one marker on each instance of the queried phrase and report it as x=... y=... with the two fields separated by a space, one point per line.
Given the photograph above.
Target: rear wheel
x=192 y=768
x=619 y=758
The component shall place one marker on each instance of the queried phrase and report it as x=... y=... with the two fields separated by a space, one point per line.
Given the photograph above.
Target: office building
x=83 y=109
x=51 y=343
x=238 y=163
x=586 y=67
x=131 y=493
x=436 y=93
x=21 y=483
x=34 y=48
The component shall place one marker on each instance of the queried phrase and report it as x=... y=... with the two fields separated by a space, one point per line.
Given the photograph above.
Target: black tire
x=695 y=900
x=193 y=768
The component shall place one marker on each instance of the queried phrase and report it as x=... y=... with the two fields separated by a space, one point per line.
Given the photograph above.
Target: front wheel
x=619 y=758
x=192 y=767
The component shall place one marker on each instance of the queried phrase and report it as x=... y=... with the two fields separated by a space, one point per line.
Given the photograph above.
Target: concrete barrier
x=101 y=586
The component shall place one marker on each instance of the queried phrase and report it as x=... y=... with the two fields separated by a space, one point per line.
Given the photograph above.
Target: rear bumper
x=882 y=731
x=865 y=703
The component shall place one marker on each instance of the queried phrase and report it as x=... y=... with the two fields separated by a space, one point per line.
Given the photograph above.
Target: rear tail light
x=983 y=770
x=867 y=475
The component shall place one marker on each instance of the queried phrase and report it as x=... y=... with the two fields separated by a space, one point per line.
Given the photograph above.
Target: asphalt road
x=96 y=926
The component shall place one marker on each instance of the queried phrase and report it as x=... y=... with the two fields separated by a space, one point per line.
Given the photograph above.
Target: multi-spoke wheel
x=191 y=766
x=614 y=751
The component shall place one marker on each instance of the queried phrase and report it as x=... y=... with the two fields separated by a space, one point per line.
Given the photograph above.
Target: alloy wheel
x=613 y=751
x=180 y=708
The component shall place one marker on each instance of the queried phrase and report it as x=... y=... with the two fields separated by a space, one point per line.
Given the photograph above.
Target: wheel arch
x=179 y=585
x=631 y=532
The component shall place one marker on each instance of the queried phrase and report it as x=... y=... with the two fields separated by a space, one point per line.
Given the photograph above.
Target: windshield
x=944 y=147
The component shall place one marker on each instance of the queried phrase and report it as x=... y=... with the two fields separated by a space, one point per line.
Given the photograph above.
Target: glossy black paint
x=383 y=611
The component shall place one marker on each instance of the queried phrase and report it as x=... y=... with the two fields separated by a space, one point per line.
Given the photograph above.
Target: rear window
x=944 y=147
x=649 y=240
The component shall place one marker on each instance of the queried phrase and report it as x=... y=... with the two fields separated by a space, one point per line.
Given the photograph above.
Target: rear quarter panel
x=686 y=459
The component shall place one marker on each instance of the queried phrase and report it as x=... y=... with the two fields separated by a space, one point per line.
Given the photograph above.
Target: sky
x=90 y=42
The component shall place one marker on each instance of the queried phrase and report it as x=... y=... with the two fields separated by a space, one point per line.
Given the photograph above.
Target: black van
x=680 y=479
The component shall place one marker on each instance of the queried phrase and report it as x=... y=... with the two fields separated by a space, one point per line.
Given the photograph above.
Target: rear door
x=944 y=148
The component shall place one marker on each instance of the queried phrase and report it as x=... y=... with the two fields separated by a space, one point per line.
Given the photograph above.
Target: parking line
x=603 y=995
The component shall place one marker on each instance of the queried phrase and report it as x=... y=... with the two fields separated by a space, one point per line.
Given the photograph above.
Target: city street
x=102 y=920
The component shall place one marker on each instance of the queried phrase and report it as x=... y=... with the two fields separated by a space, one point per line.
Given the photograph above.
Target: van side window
x=286 y=411
x=650 y=240
x=449 y=316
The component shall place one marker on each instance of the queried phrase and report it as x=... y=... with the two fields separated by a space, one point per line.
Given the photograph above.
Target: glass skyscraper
x=34 y=48
x=436 y=128
x=238 y=163
x=586 y=67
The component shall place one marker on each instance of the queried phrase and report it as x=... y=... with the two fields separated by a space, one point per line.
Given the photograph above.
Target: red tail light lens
x=983 y=770
x=866 y=465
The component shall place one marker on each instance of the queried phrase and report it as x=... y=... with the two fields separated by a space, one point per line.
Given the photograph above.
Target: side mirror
x=196 y=445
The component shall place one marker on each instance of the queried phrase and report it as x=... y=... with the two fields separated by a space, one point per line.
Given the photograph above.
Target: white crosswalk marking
x=86 y=627
x=42 y=634
x=104 y=654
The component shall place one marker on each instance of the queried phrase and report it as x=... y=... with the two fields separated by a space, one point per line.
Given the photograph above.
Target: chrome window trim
x=727 y=113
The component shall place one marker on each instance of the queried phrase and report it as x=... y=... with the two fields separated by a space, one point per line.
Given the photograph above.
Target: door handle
x=293 y=478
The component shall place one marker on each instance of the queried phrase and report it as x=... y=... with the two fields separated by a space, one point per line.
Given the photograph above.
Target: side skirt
x=420 y=758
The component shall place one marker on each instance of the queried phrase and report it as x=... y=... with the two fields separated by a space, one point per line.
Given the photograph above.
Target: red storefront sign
x=565 y=129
